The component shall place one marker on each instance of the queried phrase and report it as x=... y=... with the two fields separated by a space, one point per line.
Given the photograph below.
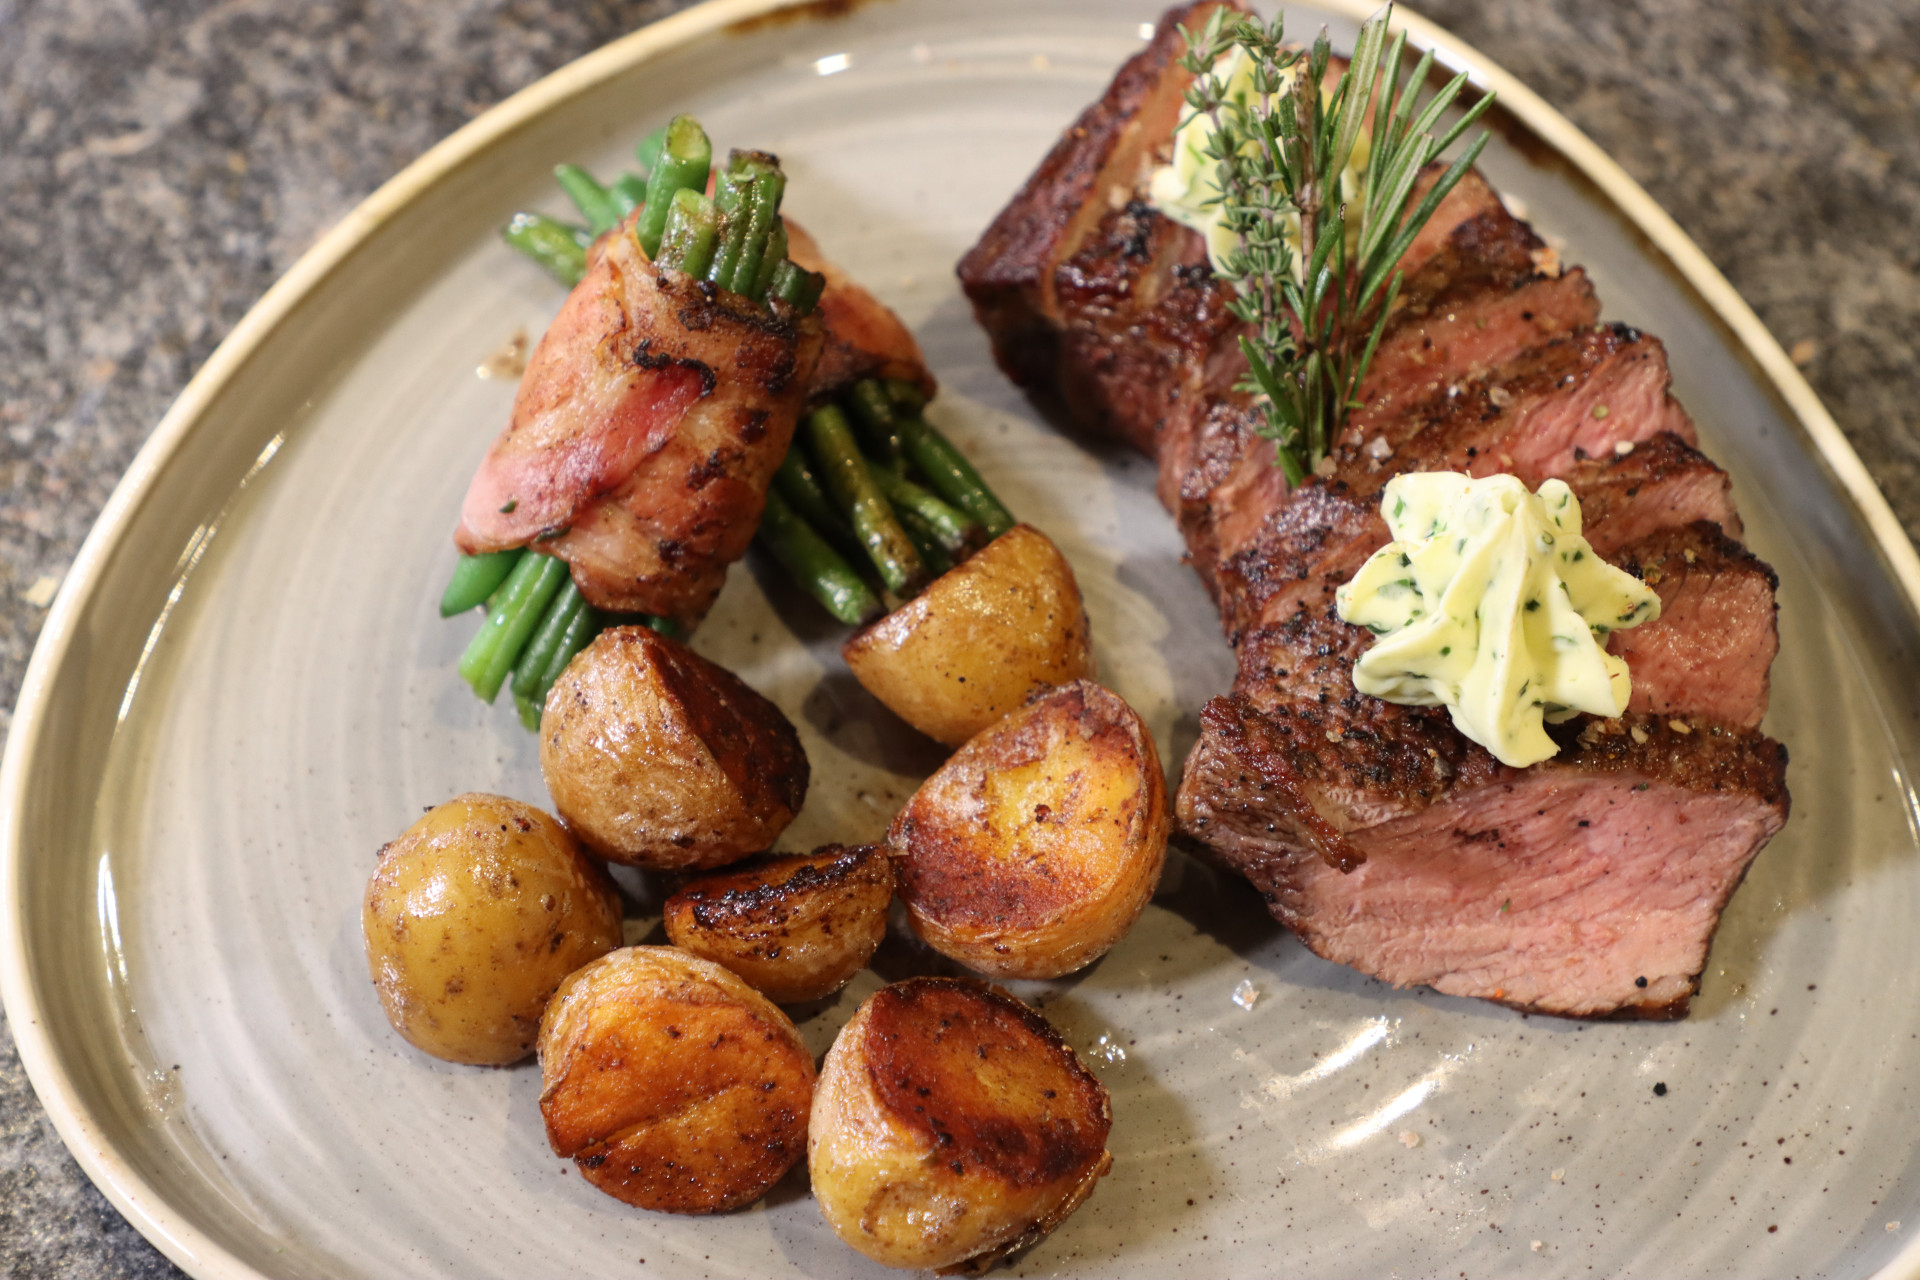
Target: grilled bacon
x=652 y=417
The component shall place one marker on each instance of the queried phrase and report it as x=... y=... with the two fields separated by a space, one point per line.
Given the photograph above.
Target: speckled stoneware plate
x=244 y=689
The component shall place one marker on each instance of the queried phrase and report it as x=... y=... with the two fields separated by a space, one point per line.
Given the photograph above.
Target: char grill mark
x=1587 y=886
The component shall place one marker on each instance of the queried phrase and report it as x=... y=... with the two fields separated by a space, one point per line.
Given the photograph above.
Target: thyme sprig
x=1315 y=266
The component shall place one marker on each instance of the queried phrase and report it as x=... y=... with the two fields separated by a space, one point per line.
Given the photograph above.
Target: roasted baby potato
x=796 y=928
x=472 y=919
x=658 y=758
x=972 y=646
x=672 y=1084
x=952 y=1126
x=1037 y=845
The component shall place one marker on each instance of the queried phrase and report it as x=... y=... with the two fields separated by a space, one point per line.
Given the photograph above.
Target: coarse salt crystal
x=1378 y=449
x=1622 y=449
x=1500 y=396
x=1246 y=995
x=1536 y=1246
x=1409 y=1139
x=1559 y=1175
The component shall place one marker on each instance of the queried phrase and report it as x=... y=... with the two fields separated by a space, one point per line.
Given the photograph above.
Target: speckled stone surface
x=161 y=164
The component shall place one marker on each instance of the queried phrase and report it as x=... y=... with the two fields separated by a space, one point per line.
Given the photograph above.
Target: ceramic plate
x=244 y=690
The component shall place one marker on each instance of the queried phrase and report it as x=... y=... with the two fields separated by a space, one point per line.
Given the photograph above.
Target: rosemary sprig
x=1315 y=266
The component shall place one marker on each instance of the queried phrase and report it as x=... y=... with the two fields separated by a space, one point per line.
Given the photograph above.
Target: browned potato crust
x=472 y=919
x=1037 y=845
x=972 y=646
x=952 y=1126
x=672 y=1084
x=796 y=928
x=660 y=759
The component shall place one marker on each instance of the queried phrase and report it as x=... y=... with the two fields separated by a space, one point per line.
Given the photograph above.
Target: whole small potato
x=657 y=758
x=1037 y=845
x=952 y=1126
x=672 y=1084
x=796 y=928
x=972 y=646
x=472 y=919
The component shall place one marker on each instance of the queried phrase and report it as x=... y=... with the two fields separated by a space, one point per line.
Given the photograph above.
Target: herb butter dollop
x=1489 y=602
x=1187 y=188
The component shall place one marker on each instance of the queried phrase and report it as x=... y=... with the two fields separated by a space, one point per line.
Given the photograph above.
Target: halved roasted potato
x=473 y=917
x=796 y=928
x=1036 y=846
x=672 y=1084
x=952 y=1126
x=972 y=646
x=657 y=758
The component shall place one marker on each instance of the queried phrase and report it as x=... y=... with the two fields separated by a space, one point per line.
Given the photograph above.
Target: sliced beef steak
x=1711 y=648
x=1585 y=886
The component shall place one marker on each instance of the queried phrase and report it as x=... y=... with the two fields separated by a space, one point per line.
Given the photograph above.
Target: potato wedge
x=1036 y=846
x=796 y=928
x=972 y=646
x=657 y=758
x=952 y=1126
x=472 y=919
x=672 y=1084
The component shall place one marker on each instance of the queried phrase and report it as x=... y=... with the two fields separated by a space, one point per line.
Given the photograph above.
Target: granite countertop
x=162 y=164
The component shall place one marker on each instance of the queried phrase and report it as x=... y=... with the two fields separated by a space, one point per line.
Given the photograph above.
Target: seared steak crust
x=1584 y=886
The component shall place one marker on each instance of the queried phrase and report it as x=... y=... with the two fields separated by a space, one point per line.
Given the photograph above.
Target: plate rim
x=134 y=1196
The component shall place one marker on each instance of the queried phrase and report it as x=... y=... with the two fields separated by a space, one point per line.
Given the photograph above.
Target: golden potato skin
x=971 y=647
x=472 y=919
x=1037 y=845
x=952 y=1126
x=657 y=758
x=796 y=928
x=672 y=1084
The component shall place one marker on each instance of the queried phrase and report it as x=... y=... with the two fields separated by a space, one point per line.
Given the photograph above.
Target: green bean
x=582 y=627
x=849 y=479
x=796 y=286
x=529 y=712
x=953 y=529
x=524 y=598
x=951 y=475
x=629 y=192
x=734 y=196
x=907 y=395
x=477 y=577
x=925 y=540
x=480 y=649
x=589 y=197
x=692 y=229
x=533 y=660
x=762 y=214
x=804 y=493
x=555 y=245
x=814 y=565
x=686 y=157
x=872 y=411
x=776 y=254
x=649 y=149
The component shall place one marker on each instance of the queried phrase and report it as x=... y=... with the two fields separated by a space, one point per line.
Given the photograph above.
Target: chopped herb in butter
x=1489 y=602
x=1187 y=188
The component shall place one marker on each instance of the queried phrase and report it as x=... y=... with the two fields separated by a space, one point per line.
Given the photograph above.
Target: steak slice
x=1585 y=886
x=1661 y=482
x=1009 y=274
x=1710 y=649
